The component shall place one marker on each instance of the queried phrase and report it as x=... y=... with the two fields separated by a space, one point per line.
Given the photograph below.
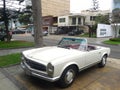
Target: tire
x=3 y=39
x=103 y=61
x=67 y=77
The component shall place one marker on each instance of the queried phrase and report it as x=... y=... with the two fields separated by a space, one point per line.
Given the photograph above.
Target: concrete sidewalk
x=6 y=84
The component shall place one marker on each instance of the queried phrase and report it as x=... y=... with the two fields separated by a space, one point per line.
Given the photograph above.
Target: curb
x=15 y=48
x=13 y=80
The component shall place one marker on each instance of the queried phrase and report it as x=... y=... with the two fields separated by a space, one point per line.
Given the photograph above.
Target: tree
x=24 y=18
x=37 y=16
x=26 y=15
x=6 y=15
x=11 y=14
x=6 y=20
x=102 y=19
x=116 y=20
x=95 y=5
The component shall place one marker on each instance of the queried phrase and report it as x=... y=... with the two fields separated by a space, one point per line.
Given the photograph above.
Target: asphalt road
x=115 y=49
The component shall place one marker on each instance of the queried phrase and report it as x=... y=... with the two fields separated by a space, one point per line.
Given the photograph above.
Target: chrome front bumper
x=32 y=72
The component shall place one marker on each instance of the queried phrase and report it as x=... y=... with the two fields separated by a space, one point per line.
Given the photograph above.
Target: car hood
x=48 y=54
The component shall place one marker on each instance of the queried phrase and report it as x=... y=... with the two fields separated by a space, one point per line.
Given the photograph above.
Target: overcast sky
x=12 y=4
x=78 y=5
x=75 y=5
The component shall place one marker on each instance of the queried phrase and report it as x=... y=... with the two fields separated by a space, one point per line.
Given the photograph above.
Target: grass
x=87 y=35
x=10 y=59
x=112 y=42
x=15 y=44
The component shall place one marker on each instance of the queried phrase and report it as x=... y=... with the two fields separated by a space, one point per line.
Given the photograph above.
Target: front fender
x=63 y=67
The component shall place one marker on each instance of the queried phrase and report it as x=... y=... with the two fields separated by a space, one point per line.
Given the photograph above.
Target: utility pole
x=37 y=18
x=5 y=20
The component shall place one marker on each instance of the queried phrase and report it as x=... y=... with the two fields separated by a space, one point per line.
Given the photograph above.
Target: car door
x=92 y=57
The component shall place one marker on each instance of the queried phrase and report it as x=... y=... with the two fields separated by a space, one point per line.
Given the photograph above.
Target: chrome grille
x=35 y=65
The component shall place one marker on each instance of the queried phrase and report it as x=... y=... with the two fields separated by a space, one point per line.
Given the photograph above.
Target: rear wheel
x=3 y=39
x=68 y=76
x=103 y=61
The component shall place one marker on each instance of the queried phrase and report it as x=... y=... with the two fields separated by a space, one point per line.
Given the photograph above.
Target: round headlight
x=50 y=69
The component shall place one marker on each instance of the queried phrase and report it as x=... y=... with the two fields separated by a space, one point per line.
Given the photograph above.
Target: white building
x=115 y=4
x=71 y=20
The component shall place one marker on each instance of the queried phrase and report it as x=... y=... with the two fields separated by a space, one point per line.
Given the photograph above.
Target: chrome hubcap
x=104 y=61
x=69 y=76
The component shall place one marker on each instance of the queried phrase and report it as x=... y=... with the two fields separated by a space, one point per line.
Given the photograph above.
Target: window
x=92 y=18
x=102 y=31
x=79 y=20
x=62 y=20
x=73 y=21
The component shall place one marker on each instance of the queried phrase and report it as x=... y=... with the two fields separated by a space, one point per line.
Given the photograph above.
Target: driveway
x=94 y=78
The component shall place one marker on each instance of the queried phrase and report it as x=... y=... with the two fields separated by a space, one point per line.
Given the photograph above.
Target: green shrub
x=115 y=39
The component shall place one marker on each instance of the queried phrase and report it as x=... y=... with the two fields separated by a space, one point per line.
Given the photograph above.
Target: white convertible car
x=61 y=63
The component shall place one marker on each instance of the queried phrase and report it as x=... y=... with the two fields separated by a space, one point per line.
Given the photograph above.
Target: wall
x=104 y=30
x=54 y=7
x=66 y=23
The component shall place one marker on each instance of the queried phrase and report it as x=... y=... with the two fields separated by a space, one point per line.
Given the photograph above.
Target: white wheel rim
x=69 y=76
x=104 y=61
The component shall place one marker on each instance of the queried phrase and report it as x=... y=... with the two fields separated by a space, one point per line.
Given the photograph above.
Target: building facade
x=115 y=25
x=53 y=7
x=71 y=20
x=91 y=15
x=115 y=4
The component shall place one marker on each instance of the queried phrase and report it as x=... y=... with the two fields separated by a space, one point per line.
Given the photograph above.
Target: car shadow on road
x=33 y=83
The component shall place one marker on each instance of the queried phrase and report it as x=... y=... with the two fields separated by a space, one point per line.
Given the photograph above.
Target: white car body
x=59 y=59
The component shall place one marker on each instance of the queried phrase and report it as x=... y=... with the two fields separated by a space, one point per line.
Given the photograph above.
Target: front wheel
x=103 y=61
x=67 y=77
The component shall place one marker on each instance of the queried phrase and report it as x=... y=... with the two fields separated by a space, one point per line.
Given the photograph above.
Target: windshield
x=73 y=43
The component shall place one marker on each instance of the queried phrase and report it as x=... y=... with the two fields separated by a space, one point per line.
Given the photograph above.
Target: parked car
x=3 y=35
x=60 y=31
x=61 y=63
x=18 y=31
x=75 y=32
x=45 y=33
